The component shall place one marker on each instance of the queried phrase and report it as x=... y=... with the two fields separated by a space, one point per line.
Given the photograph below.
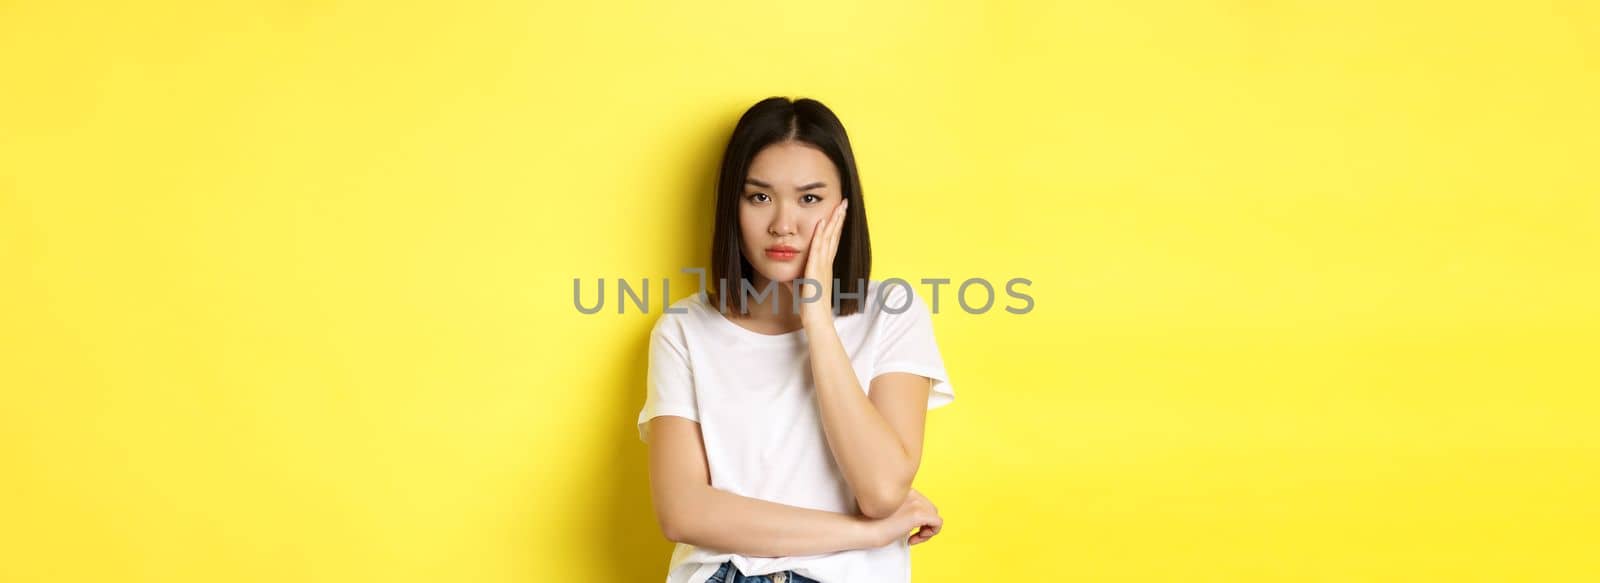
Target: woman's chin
x=782 y=276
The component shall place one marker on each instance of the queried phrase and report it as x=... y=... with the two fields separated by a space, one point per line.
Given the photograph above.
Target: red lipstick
x=782 y=252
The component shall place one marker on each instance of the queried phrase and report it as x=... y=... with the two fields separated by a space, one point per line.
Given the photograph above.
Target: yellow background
x=287 y=286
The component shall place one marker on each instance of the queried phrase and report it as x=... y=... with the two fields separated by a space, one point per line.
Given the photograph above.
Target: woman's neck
x=782 y=298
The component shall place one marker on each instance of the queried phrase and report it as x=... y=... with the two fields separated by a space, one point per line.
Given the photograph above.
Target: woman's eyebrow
x=761 y=184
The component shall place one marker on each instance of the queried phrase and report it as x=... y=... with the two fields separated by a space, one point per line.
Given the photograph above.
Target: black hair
x=775 y=120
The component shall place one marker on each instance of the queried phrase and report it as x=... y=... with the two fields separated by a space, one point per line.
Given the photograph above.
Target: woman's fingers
x=930 y=527
x=828 y=224
x=817 y=256
x=831 y=227
x=837 y=227
x=811 y=253
x=924 y=533
x=931 y=522
x=825 y=234
x=824 y=242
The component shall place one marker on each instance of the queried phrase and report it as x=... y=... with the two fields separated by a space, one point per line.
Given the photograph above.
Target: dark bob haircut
x=775 y=120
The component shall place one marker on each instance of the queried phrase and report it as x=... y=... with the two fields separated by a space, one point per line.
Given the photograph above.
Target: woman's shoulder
x=681 y=313
x=890 y=296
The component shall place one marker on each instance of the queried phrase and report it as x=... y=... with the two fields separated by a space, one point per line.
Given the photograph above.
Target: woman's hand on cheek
x=819 y=268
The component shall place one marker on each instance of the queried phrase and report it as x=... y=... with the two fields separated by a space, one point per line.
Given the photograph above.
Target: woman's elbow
x=671 y=533
x=672 y=528
x=676 y=517
x=883 y=503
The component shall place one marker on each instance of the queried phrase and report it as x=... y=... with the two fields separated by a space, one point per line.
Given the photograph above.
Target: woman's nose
x=783 y=223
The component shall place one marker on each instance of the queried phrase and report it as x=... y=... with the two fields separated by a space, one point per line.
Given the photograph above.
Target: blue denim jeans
x=730 y=574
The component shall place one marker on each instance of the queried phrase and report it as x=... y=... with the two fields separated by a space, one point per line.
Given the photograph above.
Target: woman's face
x=789 y=188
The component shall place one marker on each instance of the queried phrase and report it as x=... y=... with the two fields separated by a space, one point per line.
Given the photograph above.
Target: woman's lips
x=783 y=253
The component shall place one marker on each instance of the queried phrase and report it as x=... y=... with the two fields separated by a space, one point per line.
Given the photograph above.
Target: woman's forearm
x=724 y=521
x=874 y=461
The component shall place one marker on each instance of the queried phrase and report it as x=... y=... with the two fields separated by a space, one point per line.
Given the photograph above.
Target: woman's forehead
x=791 y=165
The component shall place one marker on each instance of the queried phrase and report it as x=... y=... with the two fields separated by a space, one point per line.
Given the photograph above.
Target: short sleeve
x=906 y=344
x=669 y=382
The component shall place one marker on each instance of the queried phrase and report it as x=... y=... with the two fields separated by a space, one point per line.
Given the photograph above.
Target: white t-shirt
x=755 y=400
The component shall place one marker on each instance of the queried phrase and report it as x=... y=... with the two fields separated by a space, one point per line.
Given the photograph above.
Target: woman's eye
x=758 y=197
x=814 y=197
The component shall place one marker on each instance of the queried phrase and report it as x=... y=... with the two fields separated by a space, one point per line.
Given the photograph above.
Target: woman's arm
x=691 y=511
x=876 y=441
